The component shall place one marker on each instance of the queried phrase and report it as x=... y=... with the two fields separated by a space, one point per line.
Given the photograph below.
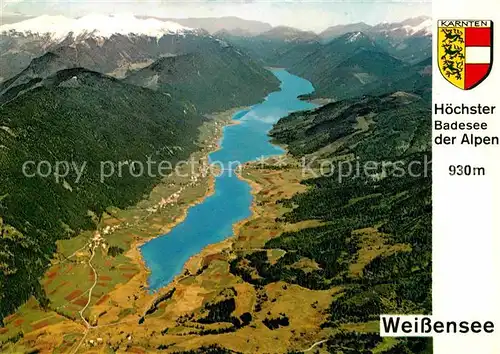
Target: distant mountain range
x=234 y=25
x=103 y=44
x=58 y=102
x=338 y=30
x=355 y=64
x=346 y=60
x=310 y=132
x=289 y=35
x=417 y=26
x=268 y=47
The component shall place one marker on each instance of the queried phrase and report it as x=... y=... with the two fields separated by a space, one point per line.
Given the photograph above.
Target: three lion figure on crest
x=453 y=59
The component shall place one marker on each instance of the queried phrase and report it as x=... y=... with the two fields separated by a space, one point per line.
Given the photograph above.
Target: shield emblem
x=465 y=52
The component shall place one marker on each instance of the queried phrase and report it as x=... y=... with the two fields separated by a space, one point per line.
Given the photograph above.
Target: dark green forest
x=355 y=64
x=101 y=119
x=394 y=199
x=215 y=78
x=55 y=111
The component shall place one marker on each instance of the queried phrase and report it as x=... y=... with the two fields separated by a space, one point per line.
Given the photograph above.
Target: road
x=87 y=324
x=315 y=345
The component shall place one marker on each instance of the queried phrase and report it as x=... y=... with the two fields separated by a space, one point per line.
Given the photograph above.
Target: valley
x=213 y=220
x=262 y=286
x=293 y=246
x=93 y=276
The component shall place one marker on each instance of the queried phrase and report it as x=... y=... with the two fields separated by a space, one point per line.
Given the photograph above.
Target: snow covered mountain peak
x=417 y=26
x=352 y=37
x=423 y=28
x=59 y=27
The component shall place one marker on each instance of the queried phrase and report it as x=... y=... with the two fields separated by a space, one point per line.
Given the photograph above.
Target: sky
x=304 y=14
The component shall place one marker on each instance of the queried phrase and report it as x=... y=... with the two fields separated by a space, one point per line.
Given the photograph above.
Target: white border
x=466 y=210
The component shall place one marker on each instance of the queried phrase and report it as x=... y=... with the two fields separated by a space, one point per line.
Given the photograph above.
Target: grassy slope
x=319 y=260
x=101 y=119
x=375 y=240
x=215 y=78
x=353 y=65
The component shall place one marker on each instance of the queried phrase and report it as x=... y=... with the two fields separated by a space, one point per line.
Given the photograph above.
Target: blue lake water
x=212 y=220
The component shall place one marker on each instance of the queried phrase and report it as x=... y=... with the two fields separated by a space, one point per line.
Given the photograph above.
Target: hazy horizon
x=296 y=14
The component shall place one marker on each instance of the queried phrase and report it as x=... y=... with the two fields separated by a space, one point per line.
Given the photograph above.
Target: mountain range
x=108 y=44
x=62 y=105
x=228 y=23
x=270 y=46
x=119 y=50
x=102 y=88
x=81 y=116
x=238 y=26
x=354 y=64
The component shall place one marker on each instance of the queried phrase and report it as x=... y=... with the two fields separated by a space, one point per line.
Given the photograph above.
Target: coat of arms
x=465 y=52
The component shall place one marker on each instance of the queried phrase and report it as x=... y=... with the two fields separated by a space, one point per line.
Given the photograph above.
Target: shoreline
x=194 y=263
x=321 y=101
x=135 y=254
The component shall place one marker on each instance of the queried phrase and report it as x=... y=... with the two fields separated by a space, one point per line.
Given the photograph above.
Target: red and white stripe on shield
x=478 y=55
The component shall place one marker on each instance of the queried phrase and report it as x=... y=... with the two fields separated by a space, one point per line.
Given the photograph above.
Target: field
x=123 y=315
x=97 y=285
x=106 y=262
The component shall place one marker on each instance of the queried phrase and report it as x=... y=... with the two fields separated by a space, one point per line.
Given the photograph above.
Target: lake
x=212 y=220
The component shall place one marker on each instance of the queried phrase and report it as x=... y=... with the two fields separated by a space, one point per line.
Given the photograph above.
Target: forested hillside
x=355 y=64
x=275 y=47
x=365 y=211
x=82 y=117
x=214 y=78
